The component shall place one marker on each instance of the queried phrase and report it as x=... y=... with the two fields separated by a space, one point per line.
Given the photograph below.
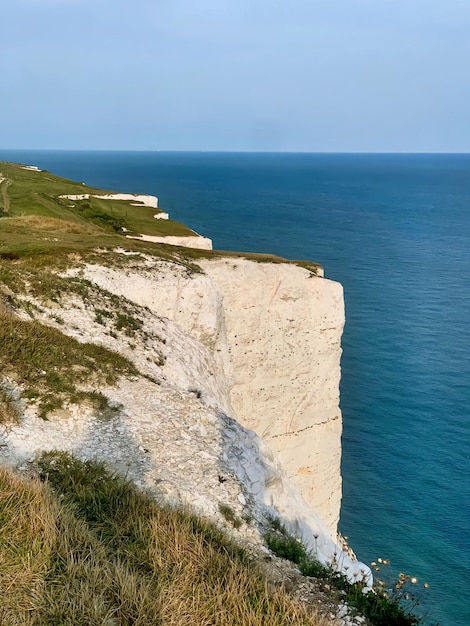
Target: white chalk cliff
x=238 y=401
x=274 y=332
x=284 y=328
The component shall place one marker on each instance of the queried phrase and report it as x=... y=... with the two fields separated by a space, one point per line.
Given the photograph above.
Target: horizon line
x=306 y=152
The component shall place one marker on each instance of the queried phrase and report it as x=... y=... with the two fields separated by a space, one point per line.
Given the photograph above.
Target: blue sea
x=395 y=231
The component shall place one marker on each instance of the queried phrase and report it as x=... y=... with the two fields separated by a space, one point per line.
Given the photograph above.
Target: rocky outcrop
x=135 y=198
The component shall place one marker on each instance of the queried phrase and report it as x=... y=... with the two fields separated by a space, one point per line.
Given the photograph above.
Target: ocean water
x=395 y=231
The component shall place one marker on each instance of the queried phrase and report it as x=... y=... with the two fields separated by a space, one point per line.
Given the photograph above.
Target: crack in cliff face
x=274 y=292
x=307 y=428
x=295 y=411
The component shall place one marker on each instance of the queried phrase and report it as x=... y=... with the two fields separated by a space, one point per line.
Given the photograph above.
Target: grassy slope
x=37 y=219
x=88 y=548
x=39 y=193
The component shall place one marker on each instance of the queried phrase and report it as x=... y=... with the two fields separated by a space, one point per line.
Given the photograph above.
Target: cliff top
x=43 y=214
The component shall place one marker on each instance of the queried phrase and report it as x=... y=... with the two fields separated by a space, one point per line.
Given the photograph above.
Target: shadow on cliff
x=269 y=493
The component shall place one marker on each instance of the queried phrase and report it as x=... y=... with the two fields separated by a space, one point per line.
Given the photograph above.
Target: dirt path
x=4 y=184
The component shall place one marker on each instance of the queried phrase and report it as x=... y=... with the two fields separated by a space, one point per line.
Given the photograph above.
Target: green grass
x=88 y=548
x=32 y=193
x=53 y=367
x=230 y=515
x=9 y=411
x=41 y=227
x=128 y=323
x=291 y=548
x=116 y=215
x=41 y=223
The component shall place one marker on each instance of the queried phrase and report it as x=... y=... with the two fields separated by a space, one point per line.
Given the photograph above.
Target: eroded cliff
x=284 y=326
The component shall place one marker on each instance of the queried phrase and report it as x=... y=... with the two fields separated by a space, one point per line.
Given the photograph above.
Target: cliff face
x=284 y=329
x=273 y=332
x=173 y=427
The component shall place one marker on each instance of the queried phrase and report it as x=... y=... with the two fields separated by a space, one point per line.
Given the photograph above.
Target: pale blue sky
x=298 y=75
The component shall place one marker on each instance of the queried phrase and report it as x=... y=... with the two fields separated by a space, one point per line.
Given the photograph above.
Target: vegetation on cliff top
x=37 y=221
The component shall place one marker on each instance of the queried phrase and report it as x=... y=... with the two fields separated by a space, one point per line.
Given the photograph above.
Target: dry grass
x=9 y=411
x=209 y=585
x=49 y=224
x=28 y=532
x=98 y=552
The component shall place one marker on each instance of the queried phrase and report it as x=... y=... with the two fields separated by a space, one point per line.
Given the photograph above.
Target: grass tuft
x=230 y=515
x=28 y=532
x=9 y=411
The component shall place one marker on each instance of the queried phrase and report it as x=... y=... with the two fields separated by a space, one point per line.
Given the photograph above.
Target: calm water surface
x=395 y=231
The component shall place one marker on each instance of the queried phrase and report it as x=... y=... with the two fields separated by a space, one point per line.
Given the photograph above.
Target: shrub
x=230 y=515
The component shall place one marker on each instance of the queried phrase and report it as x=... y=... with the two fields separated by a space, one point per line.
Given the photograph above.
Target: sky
x=249 y=75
